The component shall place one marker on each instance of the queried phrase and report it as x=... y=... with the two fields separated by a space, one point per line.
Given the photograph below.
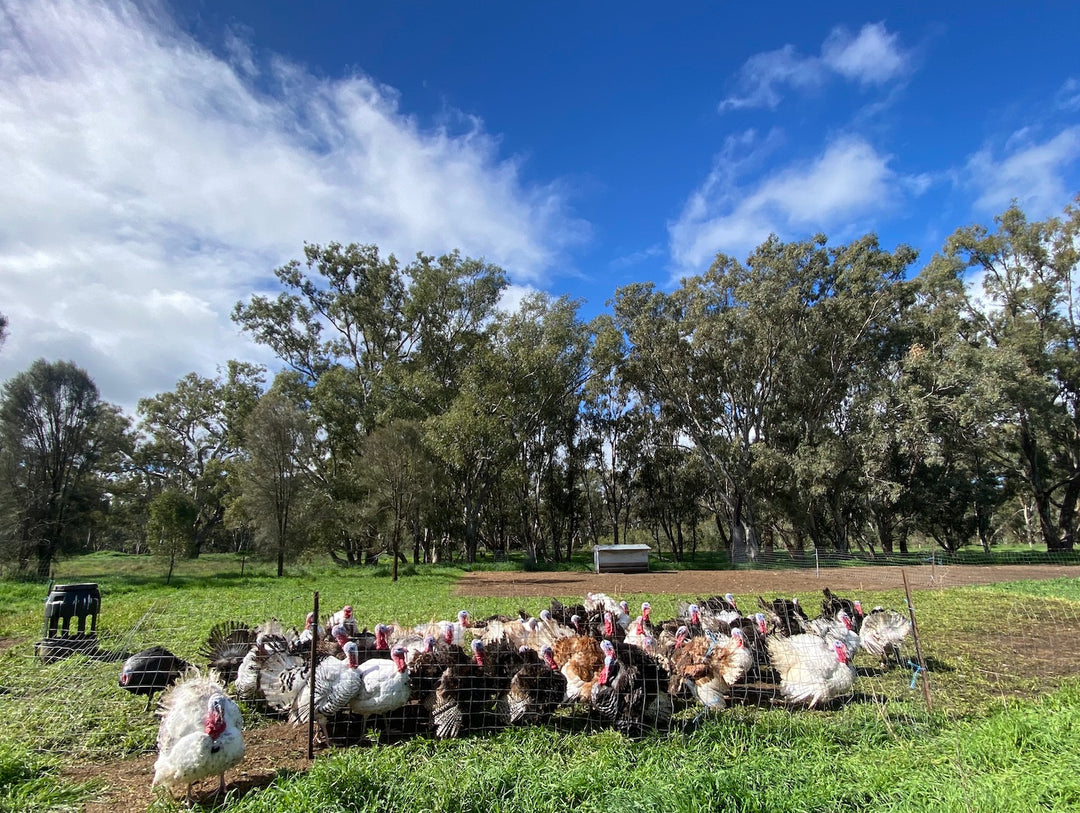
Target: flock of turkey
x=455 y=678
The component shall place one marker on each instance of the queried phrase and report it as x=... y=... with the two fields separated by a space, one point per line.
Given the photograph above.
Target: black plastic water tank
x=67 y=601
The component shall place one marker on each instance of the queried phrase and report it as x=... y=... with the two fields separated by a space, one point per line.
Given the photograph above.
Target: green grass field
x=1003 y=733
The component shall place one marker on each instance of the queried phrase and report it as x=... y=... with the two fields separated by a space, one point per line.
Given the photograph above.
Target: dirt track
x=741 y=582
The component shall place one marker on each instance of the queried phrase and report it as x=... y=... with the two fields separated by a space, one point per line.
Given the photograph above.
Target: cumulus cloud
x=873 y=56
x=150 y=184
x=845 y=184
x=1030 y=171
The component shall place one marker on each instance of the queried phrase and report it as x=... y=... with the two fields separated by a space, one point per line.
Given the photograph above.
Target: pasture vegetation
x=1003 y=734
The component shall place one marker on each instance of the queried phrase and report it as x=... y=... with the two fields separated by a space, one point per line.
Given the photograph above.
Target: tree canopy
x=813 y=396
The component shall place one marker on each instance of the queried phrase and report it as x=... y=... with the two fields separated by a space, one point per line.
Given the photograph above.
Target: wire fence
x=589 y=665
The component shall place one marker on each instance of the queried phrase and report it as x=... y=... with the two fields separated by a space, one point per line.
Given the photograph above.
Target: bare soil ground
x=125 y=784
x=282 y=748
x=741 y=582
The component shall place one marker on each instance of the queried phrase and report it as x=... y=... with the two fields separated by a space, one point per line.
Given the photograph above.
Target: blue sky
x=163 y=157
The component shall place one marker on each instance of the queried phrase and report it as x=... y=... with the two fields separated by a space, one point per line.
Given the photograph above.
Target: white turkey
x=303 y=641
x=382 y=686
x=272 y=672
x=841 y=628
x=551 y=630
x=812 y=670
x=200 y=734
x=515 y=633
x=457 y=633
x=883 y=632
x=636 y=633
x=601 y=603
x=345 y=618
x=335 y=683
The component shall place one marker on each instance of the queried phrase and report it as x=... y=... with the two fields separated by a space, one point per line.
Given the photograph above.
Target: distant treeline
x=837 y=398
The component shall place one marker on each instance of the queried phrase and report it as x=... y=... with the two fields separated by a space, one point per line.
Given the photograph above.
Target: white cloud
x=148 y=186
x=1068 y=97
x=1031 y=172
x=871 y=57
x=843 y=186
x=761 y=78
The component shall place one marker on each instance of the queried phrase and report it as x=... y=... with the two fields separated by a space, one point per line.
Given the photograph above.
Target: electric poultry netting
x=575 y=666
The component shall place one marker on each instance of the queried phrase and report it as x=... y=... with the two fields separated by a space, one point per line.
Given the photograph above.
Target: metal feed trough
x=621 y=558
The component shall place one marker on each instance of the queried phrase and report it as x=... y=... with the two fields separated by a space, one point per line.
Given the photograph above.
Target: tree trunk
x=1067 y=514
x=1030 y=449
x=471 y=536
x=395 y=551
x=725 y=540
x=745 y=546
x=44 y=551
x=884 y=526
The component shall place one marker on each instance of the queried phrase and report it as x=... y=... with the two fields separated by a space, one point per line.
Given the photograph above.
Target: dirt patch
x=125 y=785
x=751 y=582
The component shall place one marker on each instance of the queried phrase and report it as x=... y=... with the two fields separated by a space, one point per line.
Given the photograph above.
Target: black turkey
x=151 y=671
x=832 y=605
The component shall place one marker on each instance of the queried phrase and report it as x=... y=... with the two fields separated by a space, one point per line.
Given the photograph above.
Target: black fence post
x=311 y=681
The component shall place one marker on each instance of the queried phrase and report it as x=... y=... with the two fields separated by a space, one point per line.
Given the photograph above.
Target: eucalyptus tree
x=398 y=474
x=760 y=368
x=543 y=352
x=375 y=341
x=470 y=440
x=683 y=364
x=274 y=479
x=192 y=432
x=510 y=433
x=399 y=334
x=931 y=442
x=171 y=519
x=1022 y=305
x=59 y=442
x=613 y=425
x=669 y=492
x=845 y=307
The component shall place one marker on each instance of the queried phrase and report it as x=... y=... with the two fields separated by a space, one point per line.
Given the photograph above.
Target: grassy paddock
x=1003 y=735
